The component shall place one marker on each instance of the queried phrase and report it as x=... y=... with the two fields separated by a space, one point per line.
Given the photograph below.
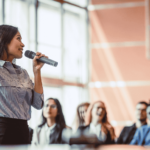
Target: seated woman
x=81 y=112
x=97 y=123
x=53 y=122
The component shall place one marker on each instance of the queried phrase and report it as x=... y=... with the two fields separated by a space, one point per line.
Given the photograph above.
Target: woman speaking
x=17 y=92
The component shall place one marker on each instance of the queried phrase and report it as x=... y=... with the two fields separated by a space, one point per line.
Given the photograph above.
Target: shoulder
x=24 y=71
x=83 y=127
x=144 y=126
x=126 y=128
x=142 y=129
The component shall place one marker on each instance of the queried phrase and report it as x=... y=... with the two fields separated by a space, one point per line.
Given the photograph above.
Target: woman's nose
x=49 y=108
x=22 y=45
x=99 y=110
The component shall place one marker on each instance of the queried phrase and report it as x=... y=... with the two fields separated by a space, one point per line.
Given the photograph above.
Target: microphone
x=31 y=55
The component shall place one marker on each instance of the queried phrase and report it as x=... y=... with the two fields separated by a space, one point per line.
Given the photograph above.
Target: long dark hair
x=7 y=33
x=60 y=120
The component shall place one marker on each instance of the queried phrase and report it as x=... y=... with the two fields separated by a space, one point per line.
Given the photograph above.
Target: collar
x=2 y=62
x=93 y=127
x=50 y=128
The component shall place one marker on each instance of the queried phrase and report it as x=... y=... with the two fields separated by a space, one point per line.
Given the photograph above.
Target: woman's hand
x=37 y=65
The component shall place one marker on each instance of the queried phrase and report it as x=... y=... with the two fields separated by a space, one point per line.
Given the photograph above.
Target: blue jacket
x=142 y=136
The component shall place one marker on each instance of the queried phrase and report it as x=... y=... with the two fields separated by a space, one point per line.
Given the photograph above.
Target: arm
x=38 y=87
x=37 y=73
x=38 y=97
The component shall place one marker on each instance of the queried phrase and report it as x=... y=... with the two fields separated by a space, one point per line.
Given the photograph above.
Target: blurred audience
x=97 y=123
x=128 y=132
x=53 y=122
x=81 y=112
x=142 y=135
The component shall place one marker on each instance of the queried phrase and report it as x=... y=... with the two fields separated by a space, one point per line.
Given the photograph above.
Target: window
x=49 y=37
x=82 y=3
x=75 y=36
x=16 y=15
x=1 y=13
x=61 y=34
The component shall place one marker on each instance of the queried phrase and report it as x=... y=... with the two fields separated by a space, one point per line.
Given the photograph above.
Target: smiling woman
x=98 y=124
x=17 y=92
x=15 y=48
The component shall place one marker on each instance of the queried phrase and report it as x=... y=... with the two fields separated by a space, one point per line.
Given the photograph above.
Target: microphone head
x=29 y=54
x=56 y=63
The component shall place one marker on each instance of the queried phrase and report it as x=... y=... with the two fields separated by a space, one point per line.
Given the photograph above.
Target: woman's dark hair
x=60 y=120
x=7 y=33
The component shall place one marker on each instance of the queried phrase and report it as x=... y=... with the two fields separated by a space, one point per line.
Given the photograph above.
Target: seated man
x=128 y=132
x=142 y=135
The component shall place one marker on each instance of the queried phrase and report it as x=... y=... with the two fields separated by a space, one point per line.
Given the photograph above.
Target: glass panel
x=1 y=13
x=32 y=24
x=54 y=54
x=49 y=25
x=75 y=37
x=36 y=114
x=71 y=67
x=16 y=14
x=72 y=97
x=82 y=3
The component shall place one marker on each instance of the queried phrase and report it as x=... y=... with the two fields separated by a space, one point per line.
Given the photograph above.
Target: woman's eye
x=19 y=38
x=53 y=106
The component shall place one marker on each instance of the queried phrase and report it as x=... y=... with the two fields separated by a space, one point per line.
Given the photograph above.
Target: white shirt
x=45 y=133
x=97 y=130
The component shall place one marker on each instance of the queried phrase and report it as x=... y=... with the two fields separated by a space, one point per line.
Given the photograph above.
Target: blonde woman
x=97 y=123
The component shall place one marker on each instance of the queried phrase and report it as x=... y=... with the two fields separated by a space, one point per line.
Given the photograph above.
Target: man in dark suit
x=128 y=132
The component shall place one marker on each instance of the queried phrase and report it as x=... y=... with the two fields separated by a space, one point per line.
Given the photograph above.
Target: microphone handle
x=46 y=60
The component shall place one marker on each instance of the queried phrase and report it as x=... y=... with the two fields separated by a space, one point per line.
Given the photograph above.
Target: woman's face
x=50 y=109
x=98 y=111
x=15 y=48
x=82 y=111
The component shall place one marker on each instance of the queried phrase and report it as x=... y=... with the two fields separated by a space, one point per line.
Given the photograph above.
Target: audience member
x=97 y=123
x=53 y=122
x=142 y=135
x=81 y=112
x=128 y=132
